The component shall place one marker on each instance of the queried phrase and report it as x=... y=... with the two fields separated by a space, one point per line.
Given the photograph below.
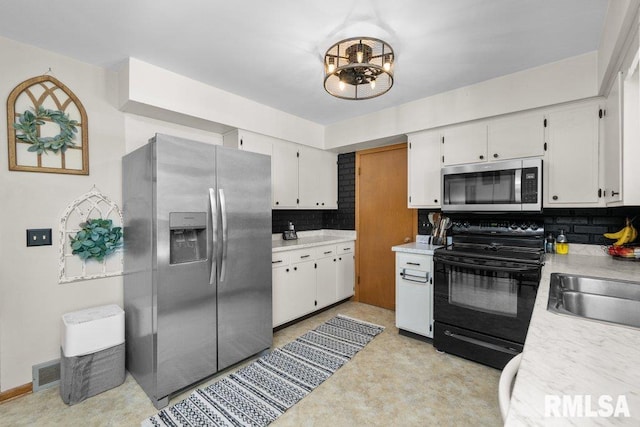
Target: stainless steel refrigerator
x=197 y=261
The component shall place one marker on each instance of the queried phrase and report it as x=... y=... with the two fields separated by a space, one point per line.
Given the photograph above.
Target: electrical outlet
x=39 y=237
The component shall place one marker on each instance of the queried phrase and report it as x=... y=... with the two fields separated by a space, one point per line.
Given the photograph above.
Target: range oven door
x=483 y=306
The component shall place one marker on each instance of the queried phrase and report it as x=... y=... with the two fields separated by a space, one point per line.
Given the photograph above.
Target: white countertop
x=311 y=238
x=565 y=355
x=416 y=248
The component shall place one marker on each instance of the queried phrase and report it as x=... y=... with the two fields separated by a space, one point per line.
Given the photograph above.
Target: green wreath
x=97 y=239
x=28 y=124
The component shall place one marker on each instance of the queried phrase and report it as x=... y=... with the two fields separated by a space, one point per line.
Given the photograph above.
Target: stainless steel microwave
x=512 y=185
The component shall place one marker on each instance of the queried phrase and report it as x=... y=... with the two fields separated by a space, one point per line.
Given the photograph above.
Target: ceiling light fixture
x=358 y=68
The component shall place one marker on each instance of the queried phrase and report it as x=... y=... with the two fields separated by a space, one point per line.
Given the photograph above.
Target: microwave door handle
x=517 y=184
x=487 y=267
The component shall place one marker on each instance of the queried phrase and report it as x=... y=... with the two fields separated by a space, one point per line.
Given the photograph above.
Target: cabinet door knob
x=495 y=155
x=435 y=200
x=295 y=268
x=555 y=197
x=481 y=157
x=287 y=270
x=277 y=203
x=317 y=203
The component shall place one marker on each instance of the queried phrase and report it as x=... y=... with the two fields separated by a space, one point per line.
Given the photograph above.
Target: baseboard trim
x=16 y=392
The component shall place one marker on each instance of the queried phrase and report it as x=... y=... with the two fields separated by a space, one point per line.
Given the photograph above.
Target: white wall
x=621 y=16
x=138 y=130
x=31 y=300
x=153 y=91
x=558 y=82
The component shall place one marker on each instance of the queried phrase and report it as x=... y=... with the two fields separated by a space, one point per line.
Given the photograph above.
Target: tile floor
x=394 y=381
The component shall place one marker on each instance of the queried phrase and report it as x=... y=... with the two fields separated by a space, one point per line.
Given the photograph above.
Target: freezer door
x=244 y=273
x=185 y=301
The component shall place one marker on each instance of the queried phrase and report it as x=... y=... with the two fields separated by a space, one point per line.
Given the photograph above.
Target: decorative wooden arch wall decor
x=90 y=205
x=47 y=128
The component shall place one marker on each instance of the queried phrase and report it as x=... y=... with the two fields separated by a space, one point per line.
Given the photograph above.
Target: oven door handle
x=525 y=269
x=477 y=342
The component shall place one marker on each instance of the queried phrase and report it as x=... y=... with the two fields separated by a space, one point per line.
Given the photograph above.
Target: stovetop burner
x=521 y=241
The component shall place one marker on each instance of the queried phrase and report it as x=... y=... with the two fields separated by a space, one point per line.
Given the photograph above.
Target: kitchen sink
x=612 y=301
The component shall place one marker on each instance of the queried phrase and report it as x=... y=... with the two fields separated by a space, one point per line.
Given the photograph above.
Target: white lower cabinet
x=414 y=293
x=306 y=280
x=294 y=290
x=345 y=272
x=325 y=276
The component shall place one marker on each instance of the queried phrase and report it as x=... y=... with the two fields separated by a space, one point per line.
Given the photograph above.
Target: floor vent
x=46 y=375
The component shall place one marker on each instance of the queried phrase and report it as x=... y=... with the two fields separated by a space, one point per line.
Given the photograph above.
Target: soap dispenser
x=562 y=246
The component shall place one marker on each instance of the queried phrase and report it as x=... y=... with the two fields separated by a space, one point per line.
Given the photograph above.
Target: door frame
x=415 y=211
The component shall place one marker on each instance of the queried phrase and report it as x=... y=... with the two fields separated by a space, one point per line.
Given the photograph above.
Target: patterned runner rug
x=259 y=393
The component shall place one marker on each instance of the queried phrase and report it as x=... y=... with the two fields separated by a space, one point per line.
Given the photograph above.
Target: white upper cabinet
x=516 y=136
x=571 y=161
x=248 y=141
x=424 y=169
x=284 y=175
x=317 y=179
x=465 y=144
x=612 y=147
x=631 y=135
x=303 y=177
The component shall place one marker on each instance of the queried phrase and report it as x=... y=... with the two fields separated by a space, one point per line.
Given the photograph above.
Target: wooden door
x=383 y=220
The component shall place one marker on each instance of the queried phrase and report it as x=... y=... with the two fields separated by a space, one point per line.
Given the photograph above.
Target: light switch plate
x=39 y=237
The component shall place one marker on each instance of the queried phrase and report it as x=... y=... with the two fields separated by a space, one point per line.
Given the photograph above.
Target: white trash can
x=92 y=353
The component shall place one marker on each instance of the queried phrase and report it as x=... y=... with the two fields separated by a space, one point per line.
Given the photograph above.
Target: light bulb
x=372 y=83
x=387 y=63
x=331 y=67
x=341 y=85
x=387 y=66
x=360 y=53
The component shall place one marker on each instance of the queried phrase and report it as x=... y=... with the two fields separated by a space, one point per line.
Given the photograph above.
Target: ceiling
x=271 y=51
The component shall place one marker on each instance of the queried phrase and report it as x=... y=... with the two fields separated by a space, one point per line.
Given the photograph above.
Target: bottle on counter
x=562 y=246
x=550 y=244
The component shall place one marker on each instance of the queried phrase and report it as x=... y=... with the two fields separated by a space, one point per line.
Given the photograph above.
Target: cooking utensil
x=444 y=225
x=436 y=223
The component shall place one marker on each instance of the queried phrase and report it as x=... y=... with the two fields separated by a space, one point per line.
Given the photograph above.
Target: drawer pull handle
x=305 y=256
x=346 y=249
x=327 y=252
x=413 y=263
x=275 y=262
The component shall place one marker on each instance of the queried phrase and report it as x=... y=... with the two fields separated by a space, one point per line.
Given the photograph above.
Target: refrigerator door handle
x=214 y=232
x=225 y=233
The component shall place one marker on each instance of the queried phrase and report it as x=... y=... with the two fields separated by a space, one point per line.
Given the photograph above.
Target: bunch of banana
x=627 y=235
